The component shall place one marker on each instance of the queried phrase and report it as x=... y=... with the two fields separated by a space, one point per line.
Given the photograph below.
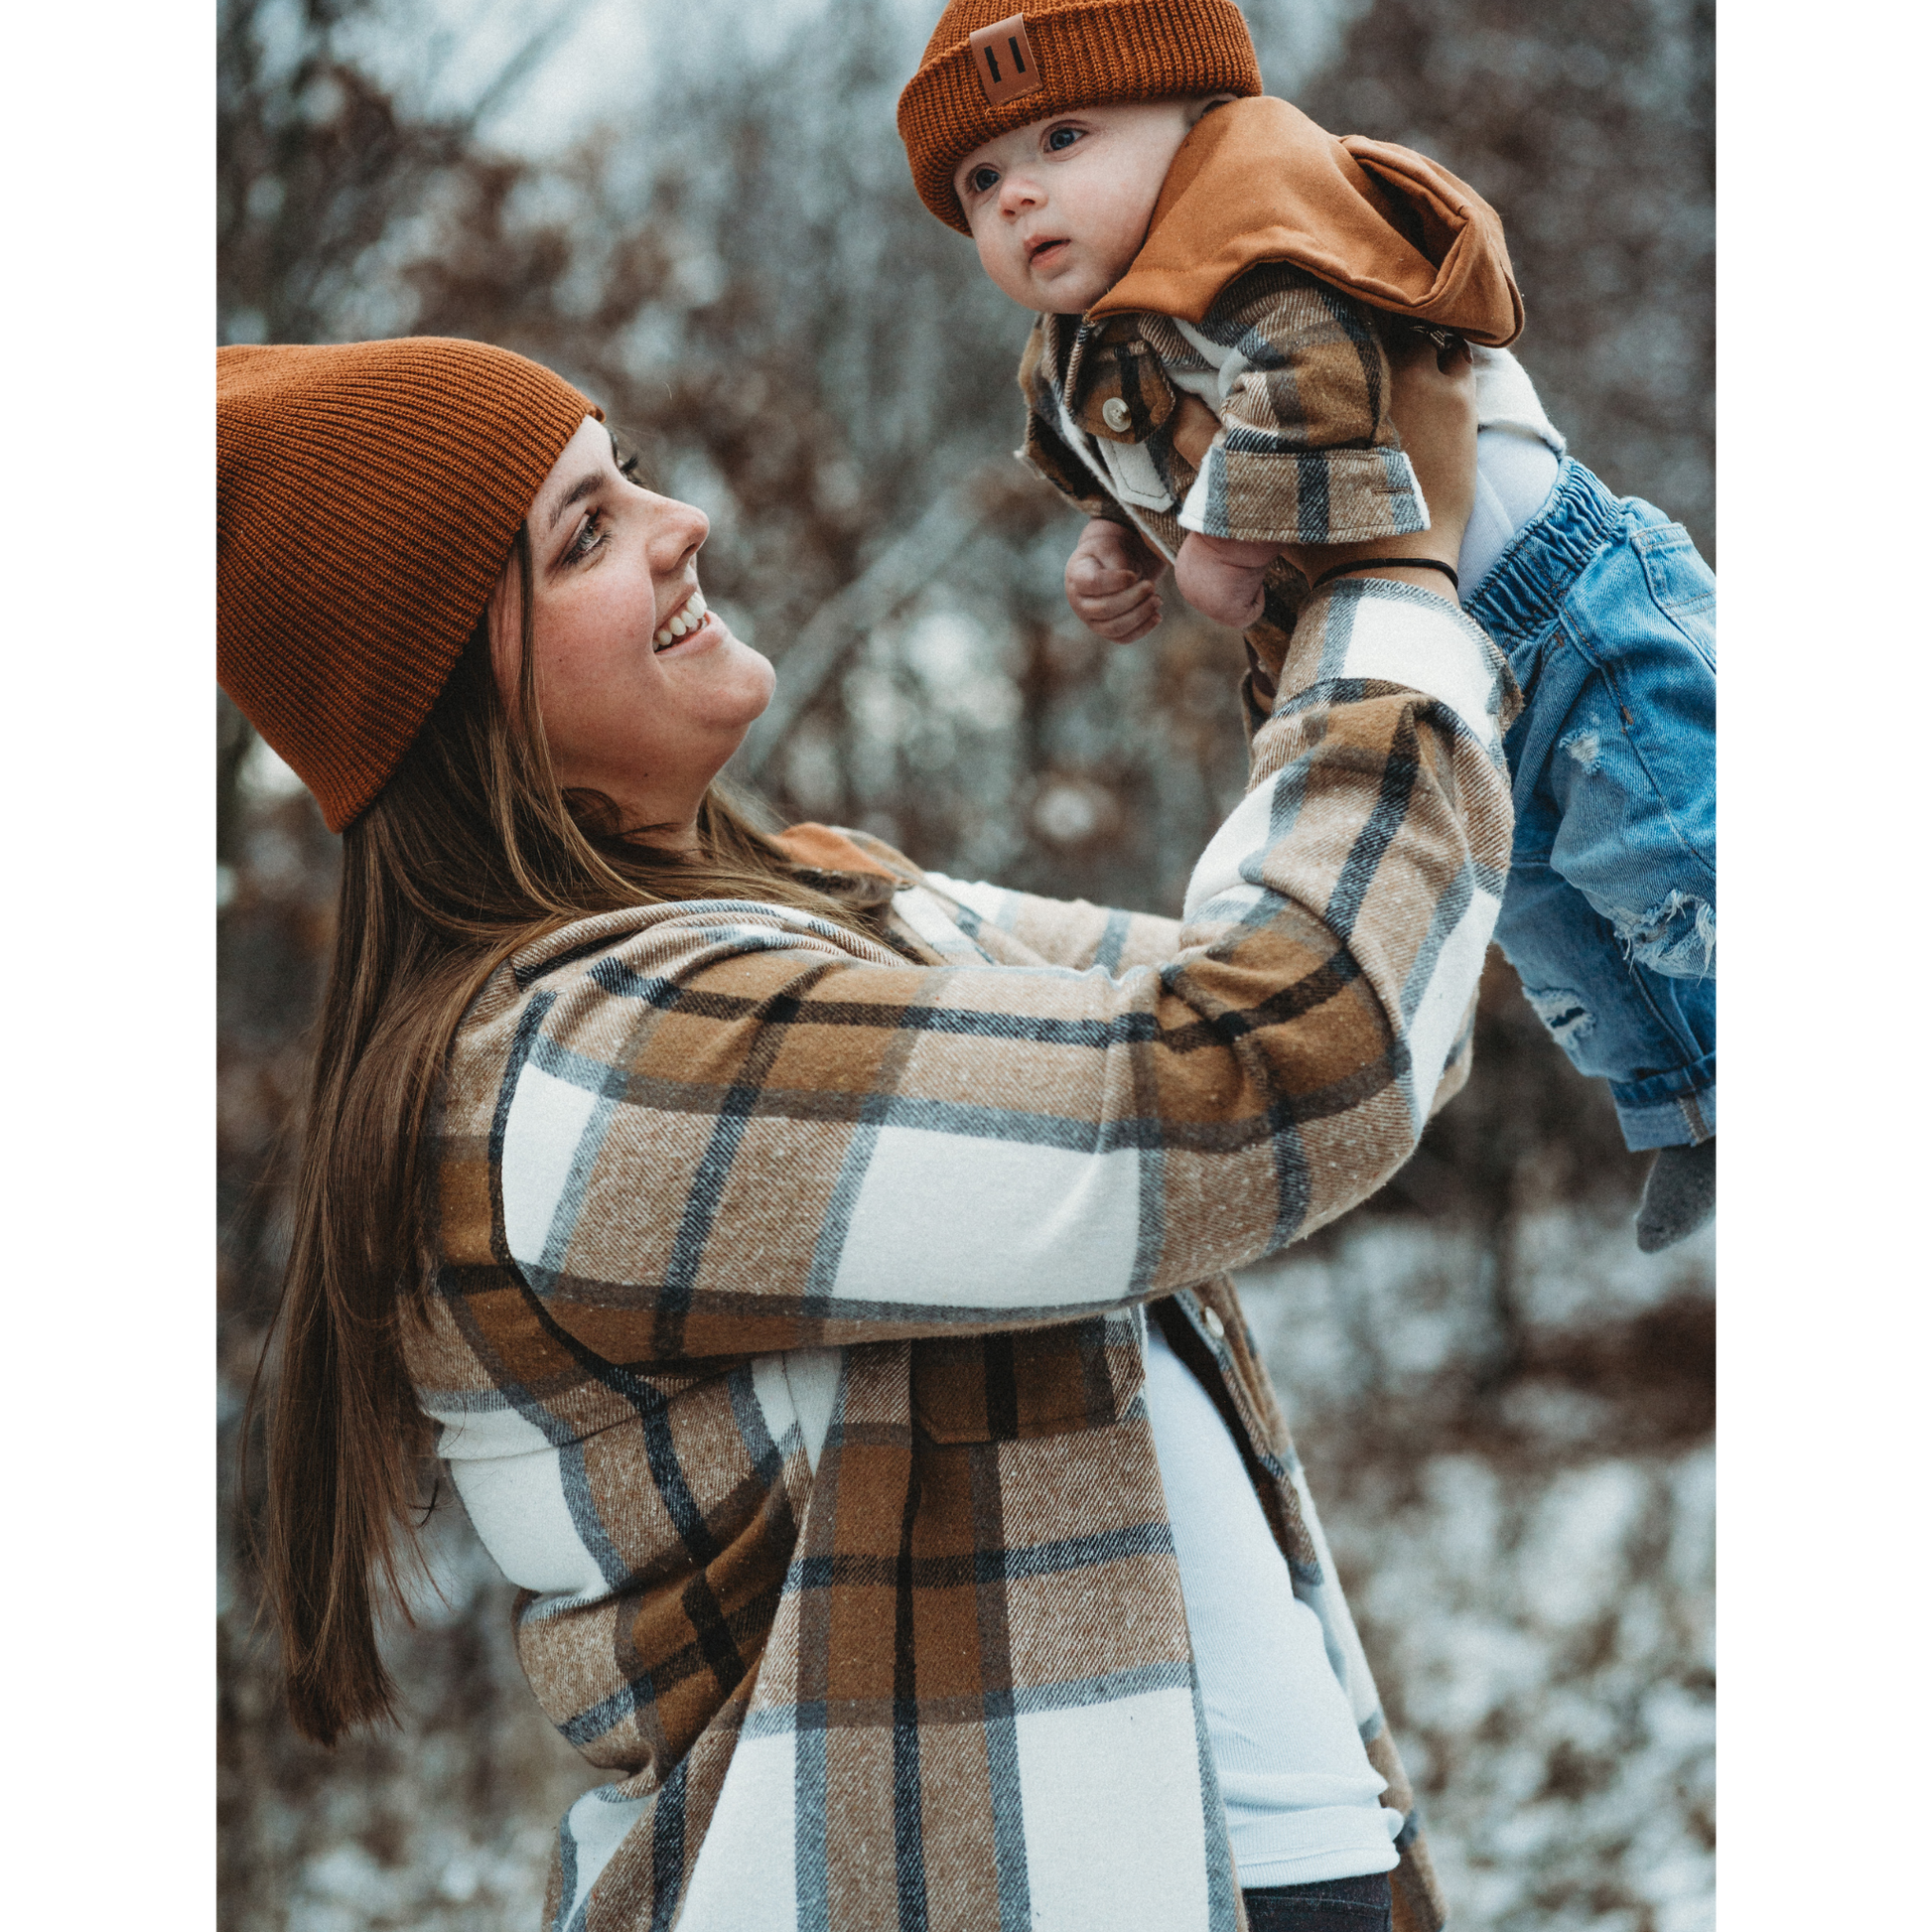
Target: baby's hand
x=1221 y=578
x=1110 y=581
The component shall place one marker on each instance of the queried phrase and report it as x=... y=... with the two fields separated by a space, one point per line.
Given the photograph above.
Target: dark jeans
x=1336 y=1905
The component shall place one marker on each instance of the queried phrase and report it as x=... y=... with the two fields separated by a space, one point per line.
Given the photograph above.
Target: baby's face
x=1060 y=209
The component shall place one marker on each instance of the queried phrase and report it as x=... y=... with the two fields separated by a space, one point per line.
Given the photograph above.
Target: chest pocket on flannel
x=1040 y=1382
x=1122 y=400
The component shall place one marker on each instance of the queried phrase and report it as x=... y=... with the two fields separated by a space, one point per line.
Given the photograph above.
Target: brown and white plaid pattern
x=788 y=1335
x=1266 y=421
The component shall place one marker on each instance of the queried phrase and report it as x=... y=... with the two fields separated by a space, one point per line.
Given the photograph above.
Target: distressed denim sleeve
x=1306 y=452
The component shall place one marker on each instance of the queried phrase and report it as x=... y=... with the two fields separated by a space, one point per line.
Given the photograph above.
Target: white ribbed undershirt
x=1517 y=453
x=1299 y=1791
x=1515 y=475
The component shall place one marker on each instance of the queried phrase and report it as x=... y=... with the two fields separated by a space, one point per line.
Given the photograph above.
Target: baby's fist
x=1110 y=580
x=1222 y=579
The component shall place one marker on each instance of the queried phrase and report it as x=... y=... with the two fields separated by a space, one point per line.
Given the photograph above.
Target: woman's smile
x=685 y=621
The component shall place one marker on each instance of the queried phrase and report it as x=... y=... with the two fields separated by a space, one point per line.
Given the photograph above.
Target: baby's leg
x=1651 y=1038
x=1611 y=911
x=1633 y=770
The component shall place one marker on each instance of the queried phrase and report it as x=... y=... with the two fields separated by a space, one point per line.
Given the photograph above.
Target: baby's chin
x=1075 y=292
x=1073 y=296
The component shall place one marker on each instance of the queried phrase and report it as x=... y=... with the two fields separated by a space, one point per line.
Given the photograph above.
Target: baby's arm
x=1221 y=577
x=1110 y=580
x=1307 y=452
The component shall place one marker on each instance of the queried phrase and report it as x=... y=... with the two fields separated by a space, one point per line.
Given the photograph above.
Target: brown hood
x=1258 y=182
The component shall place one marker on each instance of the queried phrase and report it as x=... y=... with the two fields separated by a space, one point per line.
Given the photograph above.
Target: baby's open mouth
x=690 y=613
x=1043 y=251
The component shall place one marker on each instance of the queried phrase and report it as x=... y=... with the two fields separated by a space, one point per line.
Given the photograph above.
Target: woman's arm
x=1059 y=932
x=1008 y=928
x=727 y=1133
x=715 y=1128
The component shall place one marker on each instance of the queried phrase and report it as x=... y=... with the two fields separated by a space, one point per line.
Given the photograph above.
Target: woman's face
x=646 y=717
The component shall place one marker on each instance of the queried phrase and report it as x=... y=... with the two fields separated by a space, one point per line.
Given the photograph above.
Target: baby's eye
x=1062 y=137
x=983 y=180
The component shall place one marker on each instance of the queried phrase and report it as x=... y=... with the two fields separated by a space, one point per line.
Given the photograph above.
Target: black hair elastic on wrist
x=1390 y=563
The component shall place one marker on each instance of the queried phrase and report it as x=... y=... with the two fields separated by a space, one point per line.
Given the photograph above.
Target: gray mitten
x=1679 y=1195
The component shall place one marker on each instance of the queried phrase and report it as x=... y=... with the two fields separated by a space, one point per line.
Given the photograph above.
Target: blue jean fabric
x=1607 y=617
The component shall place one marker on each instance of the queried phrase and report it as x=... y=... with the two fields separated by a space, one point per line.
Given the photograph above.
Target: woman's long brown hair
x=469 y=853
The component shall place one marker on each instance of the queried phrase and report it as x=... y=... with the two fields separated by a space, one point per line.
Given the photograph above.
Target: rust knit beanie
x=1052 y=58
x=368 y=495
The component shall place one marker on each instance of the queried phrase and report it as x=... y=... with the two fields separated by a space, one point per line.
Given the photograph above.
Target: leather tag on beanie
x=1003 y=57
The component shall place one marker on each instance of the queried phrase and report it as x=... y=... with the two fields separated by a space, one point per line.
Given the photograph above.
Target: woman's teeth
x=690 y=614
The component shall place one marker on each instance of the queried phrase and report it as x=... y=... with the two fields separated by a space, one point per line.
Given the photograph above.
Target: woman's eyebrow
x=580 y=488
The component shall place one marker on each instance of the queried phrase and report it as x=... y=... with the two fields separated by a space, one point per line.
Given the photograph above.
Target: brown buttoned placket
x=1068 y=401
x=1112 y=390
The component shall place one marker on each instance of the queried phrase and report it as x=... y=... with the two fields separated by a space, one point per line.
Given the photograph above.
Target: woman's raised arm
x=714 y=1128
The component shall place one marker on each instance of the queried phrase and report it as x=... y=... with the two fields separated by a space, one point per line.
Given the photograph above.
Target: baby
x=1218 y=283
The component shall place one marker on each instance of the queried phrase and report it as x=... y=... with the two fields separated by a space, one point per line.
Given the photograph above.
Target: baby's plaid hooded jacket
x=1235 y=380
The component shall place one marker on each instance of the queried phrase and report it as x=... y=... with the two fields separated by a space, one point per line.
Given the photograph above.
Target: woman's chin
x=758 y=679
x=719 y=676
x=736 y=701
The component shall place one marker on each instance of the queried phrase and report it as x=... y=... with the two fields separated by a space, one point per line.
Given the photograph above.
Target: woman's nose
x=680 y=534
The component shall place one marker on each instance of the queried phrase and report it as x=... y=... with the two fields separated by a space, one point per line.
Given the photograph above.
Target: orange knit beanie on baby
x=367 y=495
x=989 y=69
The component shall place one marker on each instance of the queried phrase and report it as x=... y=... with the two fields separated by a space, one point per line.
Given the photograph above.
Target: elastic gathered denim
x=1334 y=1906
x=1607 y=617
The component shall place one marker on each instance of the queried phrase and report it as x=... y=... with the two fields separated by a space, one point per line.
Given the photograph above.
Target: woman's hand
x=1435 y=410
x=1433 y=404
x=1110 y=581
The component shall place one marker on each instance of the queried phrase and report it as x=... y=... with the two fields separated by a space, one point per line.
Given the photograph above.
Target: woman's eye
x=1062 y=137
x=982 y=180
x=589 y=537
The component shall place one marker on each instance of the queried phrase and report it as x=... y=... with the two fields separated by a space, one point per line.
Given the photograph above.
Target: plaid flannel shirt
x=1266 y=421
x=786 y=1339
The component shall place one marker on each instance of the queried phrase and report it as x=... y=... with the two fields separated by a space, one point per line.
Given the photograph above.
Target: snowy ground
x=1530 y=1561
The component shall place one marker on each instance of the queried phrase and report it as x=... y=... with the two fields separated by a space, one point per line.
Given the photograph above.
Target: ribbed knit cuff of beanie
x=1085 y=53
x=368 y=496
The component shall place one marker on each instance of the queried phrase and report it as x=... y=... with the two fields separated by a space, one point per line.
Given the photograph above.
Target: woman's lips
x=688 y=616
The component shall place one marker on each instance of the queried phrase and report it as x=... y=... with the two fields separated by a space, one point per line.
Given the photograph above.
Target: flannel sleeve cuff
x=1255 y=490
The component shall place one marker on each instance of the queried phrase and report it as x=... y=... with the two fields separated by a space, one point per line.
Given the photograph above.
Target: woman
x=810 y=1269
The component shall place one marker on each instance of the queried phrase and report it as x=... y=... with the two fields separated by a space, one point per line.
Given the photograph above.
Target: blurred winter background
x=701 y=214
